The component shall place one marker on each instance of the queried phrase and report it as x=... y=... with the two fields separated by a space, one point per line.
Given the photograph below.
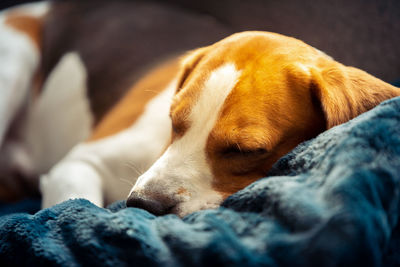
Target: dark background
x=361 y=33
x=7 y=3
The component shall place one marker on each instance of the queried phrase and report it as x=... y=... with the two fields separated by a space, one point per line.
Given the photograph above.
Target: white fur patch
x=61 y=117
x=183 y=167
x=38 y=9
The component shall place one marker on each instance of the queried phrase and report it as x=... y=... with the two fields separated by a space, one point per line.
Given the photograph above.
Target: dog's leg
x=60 y=118
x=20 y=30
x=71 y=179
x=108 y=168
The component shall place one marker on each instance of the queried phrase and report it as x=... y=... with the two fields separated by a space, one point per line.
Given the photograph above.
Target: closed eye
x=236 y=151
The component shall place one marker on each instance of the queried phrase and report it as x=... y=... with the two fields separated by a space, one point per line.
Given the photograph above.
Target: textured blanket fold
x=332 y=201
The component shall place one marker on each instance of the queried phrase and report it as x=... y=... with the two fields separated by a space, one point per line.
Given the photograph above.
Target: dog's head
x=240 y=105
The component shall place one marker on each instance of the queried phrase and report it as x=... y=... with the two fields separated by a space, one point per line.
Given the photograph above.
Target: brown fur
x=288 y=92
x=181 y=104
x=33 y=28
x=346 y=92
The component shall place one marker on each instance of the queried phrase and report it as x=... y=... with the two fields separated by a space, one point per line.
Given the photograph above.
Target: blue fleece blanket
x=332 y=201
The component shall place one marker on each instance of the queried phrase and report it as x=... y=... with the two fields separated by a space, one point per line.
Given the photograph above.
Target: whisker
x=126 y=181
x=151 y=91
x=133 y=167
x=240 y=149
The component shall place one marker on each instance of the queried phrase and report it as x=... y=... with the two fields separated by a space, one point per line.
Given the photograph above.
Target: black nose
x=153 y=206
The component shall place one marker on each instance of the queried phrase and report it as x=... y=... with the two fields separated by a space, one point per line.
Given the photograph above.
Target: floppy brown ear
x=345 y=92
x=188 y=63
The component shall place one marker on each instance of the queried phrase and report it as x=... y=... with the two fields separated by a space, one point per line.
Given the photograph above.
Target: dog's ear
x=188 y=63
x=345 y=92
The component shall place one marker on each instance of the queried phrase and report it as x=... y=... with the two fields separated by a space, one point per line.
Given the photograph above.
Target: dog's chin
x=185 y=208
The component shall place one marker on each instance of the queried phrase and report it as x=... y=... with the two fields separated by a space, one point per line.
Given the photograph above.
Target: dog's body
x=64 y=110
x=204 y=128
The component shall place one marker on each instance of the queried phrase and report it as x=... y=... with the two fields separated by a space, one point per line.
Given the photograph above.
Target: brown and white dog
x=204 y=127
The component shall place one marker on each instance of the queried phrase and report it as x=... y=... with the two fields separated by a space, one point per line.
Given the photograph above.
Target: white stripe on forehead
x=184 y=164
x=205 y=111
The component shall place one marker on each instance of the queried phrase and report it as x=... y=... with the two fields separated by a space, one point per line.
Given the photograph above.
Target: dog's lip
x=179 y=211
x=163 y=211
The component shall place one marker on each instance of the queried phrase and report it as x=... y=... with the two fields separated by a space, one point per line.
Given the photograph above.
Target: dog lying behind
x=204 y=127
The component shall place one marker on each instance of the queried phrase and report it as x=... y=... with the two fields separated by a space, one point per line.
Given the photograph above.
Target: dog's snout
x=154 y=206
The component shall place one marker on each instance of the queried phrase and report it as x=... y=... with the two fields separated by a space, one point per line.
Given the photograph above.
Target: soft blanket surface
x=332 y=201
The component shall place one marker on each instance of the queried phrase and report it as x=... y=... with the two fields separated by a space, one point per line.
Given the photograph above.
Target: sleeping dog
x=190 y=132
